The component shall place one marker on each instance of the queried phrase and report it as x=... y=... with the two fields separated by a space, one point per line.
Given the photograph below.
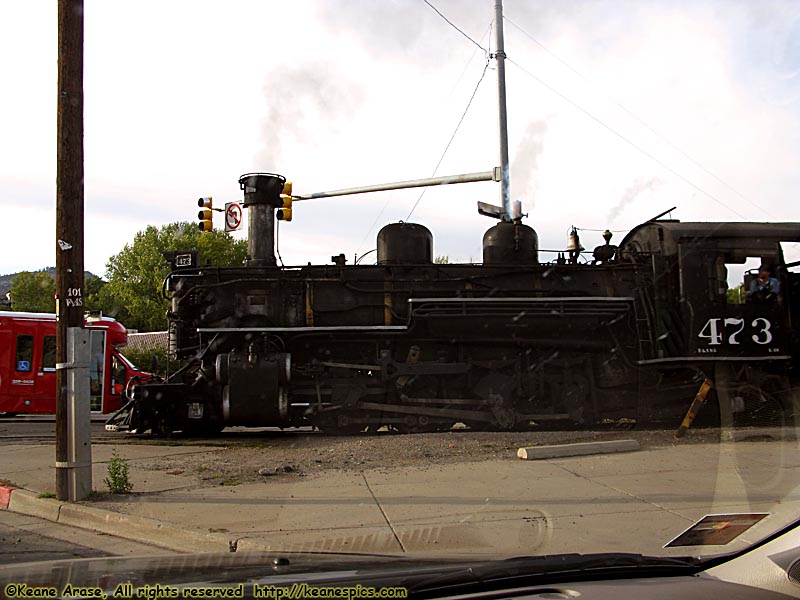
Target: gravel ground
x=292 y=454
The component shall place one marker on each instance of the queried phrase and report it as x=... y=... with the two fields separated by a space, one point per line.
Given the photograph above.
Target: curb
x=583 y=449
x=5 y=496
x=138 y=529
x=28 y=503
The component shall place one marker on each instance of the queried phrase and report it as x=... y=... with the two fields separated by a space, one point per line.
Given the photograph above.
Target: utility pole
x=500 y=58
x=71 y=342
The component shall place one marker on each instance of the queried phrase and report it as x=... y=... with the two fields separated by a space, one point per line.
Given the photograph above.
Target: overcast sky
x=182 y=97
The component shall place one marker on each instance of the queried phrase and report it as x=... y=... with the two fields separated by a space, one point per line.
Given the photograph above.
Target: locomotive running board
x=680 y=359
x=333 y=328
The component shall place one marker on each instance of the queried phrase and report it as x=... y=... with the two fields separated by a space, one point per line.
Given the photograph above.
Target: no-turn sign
x=233 y=216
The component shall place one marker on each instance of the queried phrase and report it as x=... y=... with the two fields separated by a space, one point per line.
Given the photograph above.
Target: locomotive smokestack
x=262 y=195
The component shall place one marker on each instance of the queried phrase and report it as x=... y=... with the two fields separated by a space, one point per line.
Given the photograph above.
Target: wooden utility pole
x=69 y=217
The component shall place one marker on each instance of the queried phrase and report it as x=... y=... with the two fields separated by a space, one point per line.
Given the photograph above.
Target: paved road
x=23 y=429
x=29 y=539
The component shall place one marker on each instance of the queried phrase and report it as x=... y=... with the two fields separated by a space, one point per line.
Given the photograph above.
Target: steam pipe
x=260 y=238
x=262 y=195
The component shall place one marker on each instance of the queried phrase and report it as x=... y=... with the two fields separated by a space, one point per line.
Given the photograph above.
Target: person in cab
x=765 y=287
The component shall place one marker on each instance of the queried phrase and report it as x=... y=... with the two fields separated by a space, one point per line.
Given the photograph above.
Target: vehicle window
x=125 y=360
x=97 y=368
x=118 y=372
x=49 y=353
x=24 y=353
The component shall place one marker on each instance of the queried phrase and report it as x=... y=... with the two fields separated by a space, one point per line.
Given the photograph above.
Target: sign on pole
x=233 y=216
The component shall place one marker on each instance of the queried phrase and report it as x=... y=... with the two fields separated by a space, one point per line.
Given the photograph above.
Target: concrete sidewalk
x=633 y=502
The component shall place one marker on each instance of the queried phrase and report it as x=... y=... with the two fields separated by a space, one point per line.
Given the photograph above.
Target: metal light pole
x=500 y=57
x=72 y=397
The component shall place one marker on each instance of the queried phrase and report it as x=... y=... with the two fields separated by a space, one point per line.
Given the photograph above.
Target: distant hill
x=5 y=280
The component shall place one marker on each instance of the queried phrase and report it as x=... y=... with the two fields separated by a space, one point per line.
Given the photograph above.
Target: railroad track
x=41 y=429
x=51 y=437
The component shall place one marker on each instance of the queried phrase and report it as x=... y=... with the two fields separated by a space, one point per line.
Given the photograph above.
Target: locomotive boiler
x=411 y=345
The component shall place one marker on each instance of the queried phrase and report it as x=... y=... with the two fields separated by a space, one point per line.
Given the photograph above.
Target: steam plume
x=301 y=100
x=638 y=187
x=525 y=164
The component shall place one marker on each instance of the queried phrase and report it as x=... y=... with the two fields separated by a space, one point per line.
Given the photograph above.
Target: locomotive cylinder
x=254 y=387
x=510 y=243
x=405 y=243
x=262 y=195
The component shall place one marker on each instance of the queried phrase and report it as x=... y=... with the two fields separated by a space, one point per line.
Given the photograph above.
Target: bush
x=117 y=480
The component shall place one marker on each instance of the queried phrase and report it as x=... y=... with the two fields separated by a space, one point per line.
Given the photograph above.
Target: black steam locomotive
x=407 y=344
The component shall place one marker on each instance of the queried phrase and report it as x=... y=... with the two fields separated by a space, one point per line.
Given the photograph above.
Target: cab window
x=49 y=353
x=24 y=353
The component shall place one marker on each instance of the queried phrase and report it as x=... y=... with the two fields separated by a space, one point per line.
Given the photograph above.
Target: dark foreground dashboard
x=662 y=588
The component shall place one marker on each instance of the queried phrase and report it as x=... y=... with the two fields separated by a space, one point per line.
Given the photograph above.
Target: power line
x=583 y=110
x=452 y=137
x=469 y=62
x=625 y=139
x=454 y=26
x=637 y=118
x=375 y=222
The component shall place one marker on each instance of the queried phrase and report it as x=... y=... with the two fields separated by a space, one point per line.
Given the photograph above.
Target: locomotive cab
x=692 y=289
x=748 y=349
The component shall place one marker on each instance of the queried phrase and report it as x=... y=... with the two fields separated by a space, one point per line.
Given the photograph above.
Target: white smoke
x=639 y=187
x=525 y=164
x=304 y=102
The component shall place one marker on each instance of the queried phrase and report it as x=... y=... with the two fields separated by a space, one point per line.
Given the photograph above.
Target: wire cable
x=452 y=137
x=638 y=119
x=602 y=230
x=278 y=240
x=375 y=222
x=469 y=62
x=454 y=26
x=659 y=162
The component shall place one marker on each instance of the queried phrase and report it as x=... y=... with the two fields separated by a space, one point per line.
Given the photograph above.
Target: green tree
x=135 y=275
x=33 y=292
x=92 y=290
x=736 y=295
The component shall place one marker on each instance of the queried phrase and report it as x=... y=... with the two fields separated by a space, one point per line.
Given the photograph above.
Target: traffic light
x=284 y=213
x=205 y=216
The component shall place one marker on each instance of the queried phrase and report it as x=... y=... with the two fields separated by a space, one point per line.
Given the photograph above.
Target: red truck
x=28 y=363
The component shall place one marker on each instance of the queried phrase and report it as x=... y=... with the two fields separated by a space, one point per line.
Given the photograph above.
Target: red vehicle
x=28 y=363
